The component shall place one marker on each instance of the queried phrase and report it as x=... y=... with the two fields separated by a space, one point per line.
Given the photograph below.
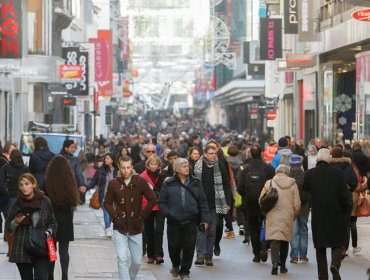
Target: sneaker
x=241 y=230
x=159 y=260
x=150 y=261
x=226 y=230
x=199 y=260
x=217 y=250
x=264 y=255
x=303 y=260
x=356 y=250
x=209 y=261
x=246 y=240
x=175 y=272
x=294 y=260
x=229 y=235
x=283 y=269
x=108 y=232
x=184 y=277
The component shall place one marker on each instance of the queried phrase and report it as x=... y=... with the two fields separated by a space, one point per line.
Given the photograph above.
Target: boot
x=283 y=269
x=275 y=267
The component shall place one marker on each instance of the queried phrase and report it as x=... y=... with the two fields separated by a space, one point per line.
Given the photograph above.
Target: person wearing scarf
x=154 y=224
x=31 y=206
x=213 y=175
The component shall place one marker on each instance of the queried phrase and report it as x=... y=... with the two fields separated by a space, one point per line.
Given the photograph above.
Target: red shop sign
x=362 y=15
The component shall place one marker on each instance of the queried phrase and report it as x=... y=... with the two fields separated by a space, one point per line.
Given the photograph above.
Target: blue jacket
x=100 y=180
x=170 y=202
x=74 y=164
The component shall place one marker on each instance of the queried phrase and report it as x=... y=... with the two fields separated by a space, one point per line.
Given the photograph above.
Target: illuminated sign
x=270 y=38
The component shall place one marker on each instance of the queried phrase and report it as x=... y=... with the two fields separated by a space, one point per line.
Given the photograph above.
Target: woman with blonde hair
x=154 y=224
x=31 y=208
x=64 y=197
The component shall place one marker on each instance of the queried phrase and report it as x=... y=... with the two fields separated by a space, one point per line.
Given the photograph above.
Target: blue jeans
x=128 y=245
x=300 y=237
x=206 y=240
x=107 y=218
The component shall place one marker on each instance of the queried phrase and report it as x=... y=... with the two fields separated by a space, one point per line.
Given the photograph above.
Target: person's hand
x=206 y=226
x=82 y=189
x=19 y=218
x=228 y=207
x=364 y=180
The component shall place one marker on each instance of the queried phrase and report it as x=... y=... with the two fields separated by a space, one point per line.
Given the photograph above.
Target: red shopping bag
x=51 y=248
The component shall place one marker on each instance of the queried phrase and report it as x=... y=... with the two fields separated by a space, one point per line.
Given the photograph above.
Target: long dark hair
x=60 y=184
x=111 y=155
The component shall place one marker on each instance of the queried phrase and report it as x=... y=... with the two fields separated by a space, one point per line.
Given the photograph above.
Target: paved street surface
x=93 y=257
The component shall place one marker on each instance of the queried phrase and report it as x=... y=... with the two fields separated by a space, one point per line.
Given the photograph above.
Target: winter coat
x=344 y=164
x=280 y=219
x=252 y=208
x=235 y=164
x=298 y=174
x=282 y=156
x=4 y=197
x=3 y=160
x=330 y=206
x=10 y=173
x=151 y=185
x=100 y=179
x=44 y=218
x=74 y=164
x=181 y=213
x=64 y=218
x=39 y=160
x=123 y=203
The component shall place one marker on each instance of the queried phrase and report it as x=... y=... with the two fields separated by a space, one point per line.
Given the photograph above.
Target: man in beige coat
x=280 y=219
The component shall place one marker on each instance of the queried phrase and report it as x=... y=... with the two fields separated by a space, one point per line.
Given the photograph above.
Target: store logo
x=362 y=15
x=291 y=16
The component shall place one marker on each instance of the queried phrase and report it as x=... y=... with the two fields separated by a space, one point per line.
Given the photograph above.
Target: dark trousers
x=322 y=262
x=354 y=231
x=279 y=251
x=181 y=245
x=154 y=227
x=64 y=261
x=219 y=229
x=37 y=270
x=255 y=224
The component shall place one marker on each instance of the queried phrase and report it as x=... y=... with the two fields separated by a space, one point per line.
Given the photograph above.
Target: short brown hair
x=233 y=150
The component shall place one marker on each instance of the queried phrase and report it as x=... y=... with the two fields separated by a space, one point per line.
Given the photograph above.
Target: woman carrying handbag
x=31 y=210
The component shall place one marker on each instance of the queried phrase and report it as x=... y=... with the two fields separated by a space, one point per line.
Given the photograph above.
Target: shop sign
x=10 y=29
x=291 y=16
x=299 y=61
x=306 y=30
x=270 y=38
x=71 y=72
x=362 y=15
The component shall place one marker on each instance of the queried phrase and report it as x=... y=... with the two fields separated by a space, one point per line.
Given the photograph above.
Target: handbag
x=362 y=207
x=94 y=201
x=35 y=242
x=238 y=200
x=269 y=199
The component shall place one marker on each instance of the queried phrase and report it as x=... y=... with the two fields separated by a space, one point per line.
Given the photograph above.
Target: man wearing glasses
x=214 y=178
x=149 y=149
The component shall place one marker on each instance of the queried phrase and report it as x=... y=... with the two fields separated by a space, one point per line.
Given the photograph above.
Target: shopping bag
x=263 y=231
x=52 y=251
x=238 y=200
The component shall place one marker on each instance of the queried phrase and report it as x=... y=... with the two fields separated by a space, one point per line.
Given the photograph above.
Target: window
x=35 y=23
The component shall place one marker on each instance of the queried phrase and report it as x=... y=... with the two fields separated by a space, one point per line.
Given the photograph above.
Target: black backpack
x=254 y=181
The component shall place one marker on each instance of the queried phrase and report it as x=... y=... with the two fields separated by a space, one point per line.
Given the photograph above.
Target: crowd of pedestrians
x=195 y=186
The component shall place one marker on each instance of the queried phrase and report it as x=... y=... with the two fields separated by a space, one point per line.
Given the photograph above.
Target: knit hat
x=323 y=155
x=283 y=142
x=295 y=161
x=337 y=152
x=282 y=168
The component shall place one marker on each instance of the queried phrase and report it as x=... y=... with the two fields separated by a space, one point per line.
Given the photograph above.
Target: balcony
x=63 y=14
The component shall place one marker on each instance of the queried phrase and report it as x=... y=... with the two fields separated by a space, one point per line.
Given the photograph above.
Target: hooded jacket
x=280 y=219
x=10 y=174
x=74 y=164
x=39 y=160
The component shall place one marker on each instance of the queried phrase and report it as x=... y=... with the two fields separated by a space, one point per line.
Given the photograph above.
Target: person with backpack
x=251 y=181
x=299 y=242
x=283 y=153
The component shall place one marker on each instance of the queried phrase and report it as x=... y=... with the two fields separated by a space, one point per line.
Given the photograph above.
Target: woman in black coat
x=64 y=196
x=40 y=159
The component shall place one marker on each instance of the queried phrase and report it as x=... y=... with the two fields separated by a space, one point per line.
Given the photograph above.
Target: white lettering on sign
x=83 y=85
x=304 y=20
x=293 y=12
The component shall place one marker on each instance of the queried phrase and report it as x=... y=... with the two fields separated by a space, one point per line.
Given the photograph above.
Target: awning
x=239 y=91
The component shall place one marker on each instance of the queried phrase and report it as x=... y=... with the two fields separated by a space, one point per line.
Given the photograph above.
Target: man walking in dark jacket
x=216 y=186
x=182 y=201
x=123 y=202
x=330 y=207
x=252 y=180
